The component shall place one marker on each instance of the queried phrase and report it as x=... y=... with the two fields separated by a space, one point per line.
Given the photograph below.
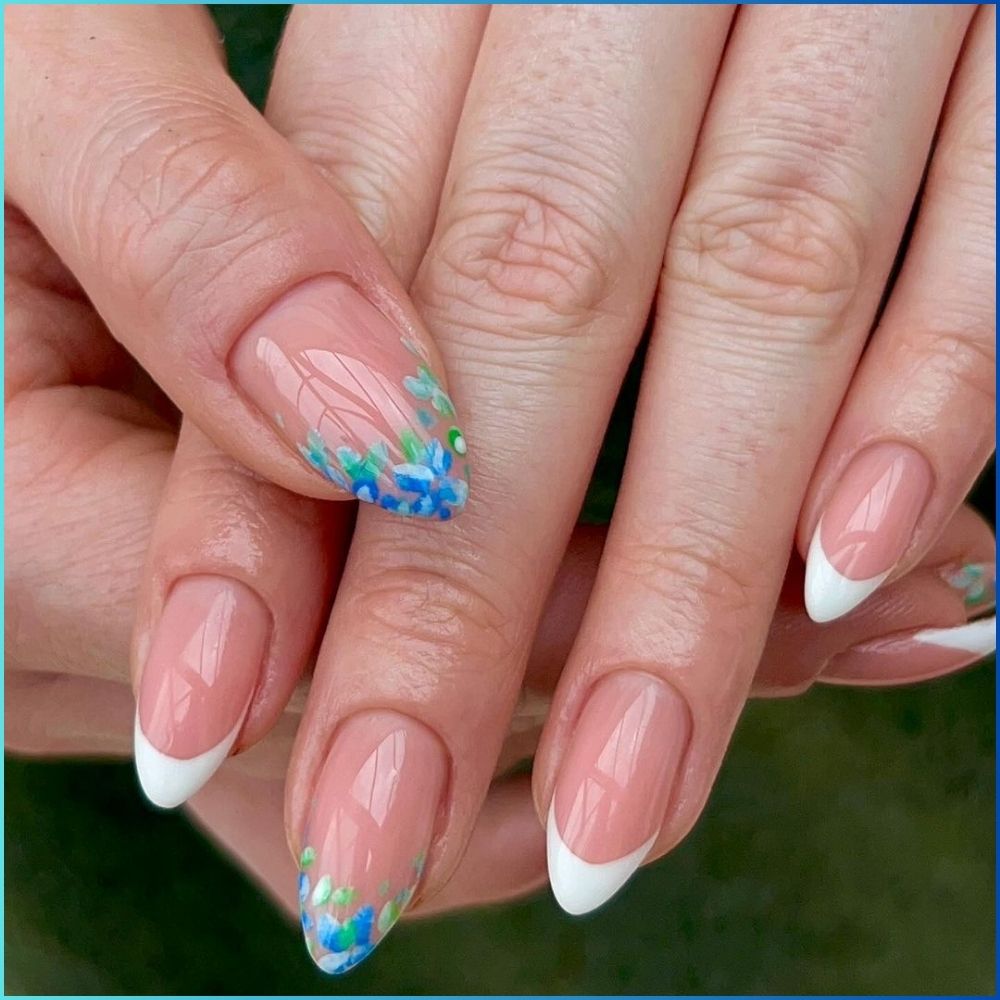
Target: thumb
x=223 y=261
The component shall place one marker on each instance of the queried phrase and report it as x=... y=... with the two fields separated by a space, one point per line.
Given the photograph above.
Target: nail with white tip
x=613 y=787
x=908 y=657
x=205 y=657
x=865 y=528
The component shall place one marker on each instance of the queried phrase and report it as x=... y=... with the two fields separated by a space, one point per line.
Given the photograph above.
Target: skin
x=72 y=586
x=511 y=270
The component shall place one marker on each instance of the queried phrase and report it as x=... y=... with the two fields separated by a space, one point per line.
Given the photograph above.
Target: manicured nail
x=614 y=787
x=356 y=399
x=914 y=656
x=204 y=661
x=976 y=582
x=865 y=528
x=371 y=824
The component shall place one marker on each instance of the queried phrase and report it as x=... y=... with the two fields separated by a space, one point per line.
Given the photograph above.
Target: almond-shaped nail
x=865 y=528
x=909 y=657
x=205 y=657
x=976 y=582
x=356 y=399
x=371 y=823
x=614 y=786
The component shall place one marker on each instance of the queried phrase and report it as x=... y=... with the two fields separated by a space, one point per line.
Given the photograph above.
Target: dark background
x=848 y=848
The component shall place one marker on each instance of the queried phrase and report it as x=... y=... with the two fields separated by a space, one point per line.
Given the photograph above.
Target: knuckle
x=443 y=622
x=958 y=359
x=177 y=194
x=971 y=159
x=690 y=568
x=370 y=160
x=534 y=250
x=769 y=246
x=238 y=509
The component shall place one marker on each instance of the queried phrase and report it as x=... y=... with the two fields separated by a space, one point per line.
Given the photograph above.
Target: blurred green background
x=848 y=848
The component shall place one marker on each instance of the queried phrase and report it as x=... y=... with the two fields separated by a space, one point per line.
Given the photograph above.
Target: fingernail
x=356 y=399
x=976 y=582
x=865 y=528
x=614 y=787
x=372 y=820
x=914 y=656
x=204 y=661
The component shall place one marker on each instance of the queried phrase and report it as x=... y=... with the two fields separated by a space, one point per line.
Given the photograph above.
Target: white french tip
x=978 y=637
x=168 y=781
x=581 y=886
x=829 y=594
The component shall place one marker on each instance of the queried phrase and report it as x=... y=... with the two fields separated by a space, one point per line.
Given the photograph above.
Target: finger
x=62 y=715
x=918 y=423
x=262 y=601
x=220 y=258
x=795 y=202
x=883 y=640
x=237 y=584
x=538 y=279
x=372 y=95
x=90 y=712
x=84 y=465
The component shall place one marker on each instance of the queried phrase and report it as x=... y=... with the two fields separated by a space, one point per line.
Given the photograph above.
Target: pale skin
x=533 y=208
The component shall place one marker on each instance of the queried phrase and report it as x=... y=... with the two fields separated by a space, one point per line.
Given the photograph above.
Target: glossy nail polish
x=976 y=582
x=358 y=401
x=614 y=787
x=204 y=661
x=914 y=656
x=865 y=528
x=366 y=839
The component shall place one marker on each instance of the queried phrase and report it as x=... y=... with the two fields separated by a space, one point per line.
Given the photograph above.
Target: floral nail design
x=976 y=581
x=339 y=932
x=426 y=483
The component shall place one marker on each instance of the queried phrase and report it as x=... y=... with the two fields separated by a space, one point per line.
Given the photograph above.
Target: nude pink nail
x=366 y=839
x=865 y=528
x=356 y=399
x=614 y=787
x=204 y=661
x=914 y=656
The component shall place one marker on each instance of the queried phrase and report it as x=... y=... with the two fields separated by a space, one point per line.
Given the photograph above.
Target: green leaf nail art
x=388 y=915
x=344 y=896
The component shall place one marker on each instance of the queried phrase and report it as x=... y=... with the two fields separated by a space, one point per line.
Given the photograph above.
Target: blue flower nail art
x=337 y=935
x=424 y=485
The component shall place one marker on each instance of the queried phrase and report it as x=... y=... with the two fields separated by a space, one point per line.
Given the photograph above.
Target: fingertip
x=829 y=594
x=169 y=781
x=581 y=886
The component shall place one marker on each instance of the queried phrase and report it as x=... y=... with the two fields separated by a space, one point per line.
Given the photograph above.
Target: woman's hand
x=547 y=246
x=585 y=171
x=78 y=524
x=219 y=257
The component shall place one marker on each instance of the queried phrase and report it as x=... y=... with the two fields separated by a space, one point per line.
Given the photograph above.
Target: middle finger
x=568 y=163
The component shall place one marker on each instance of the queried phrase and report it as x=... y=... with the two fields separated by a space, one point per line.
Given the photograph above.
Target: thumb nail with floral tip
x=357 y=400
x=366 y=840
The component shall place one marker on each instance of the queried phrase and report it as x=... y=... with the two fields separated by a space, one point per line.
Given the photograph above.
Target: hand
x=551 y=232
x=72 y=582
x=537 y=283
